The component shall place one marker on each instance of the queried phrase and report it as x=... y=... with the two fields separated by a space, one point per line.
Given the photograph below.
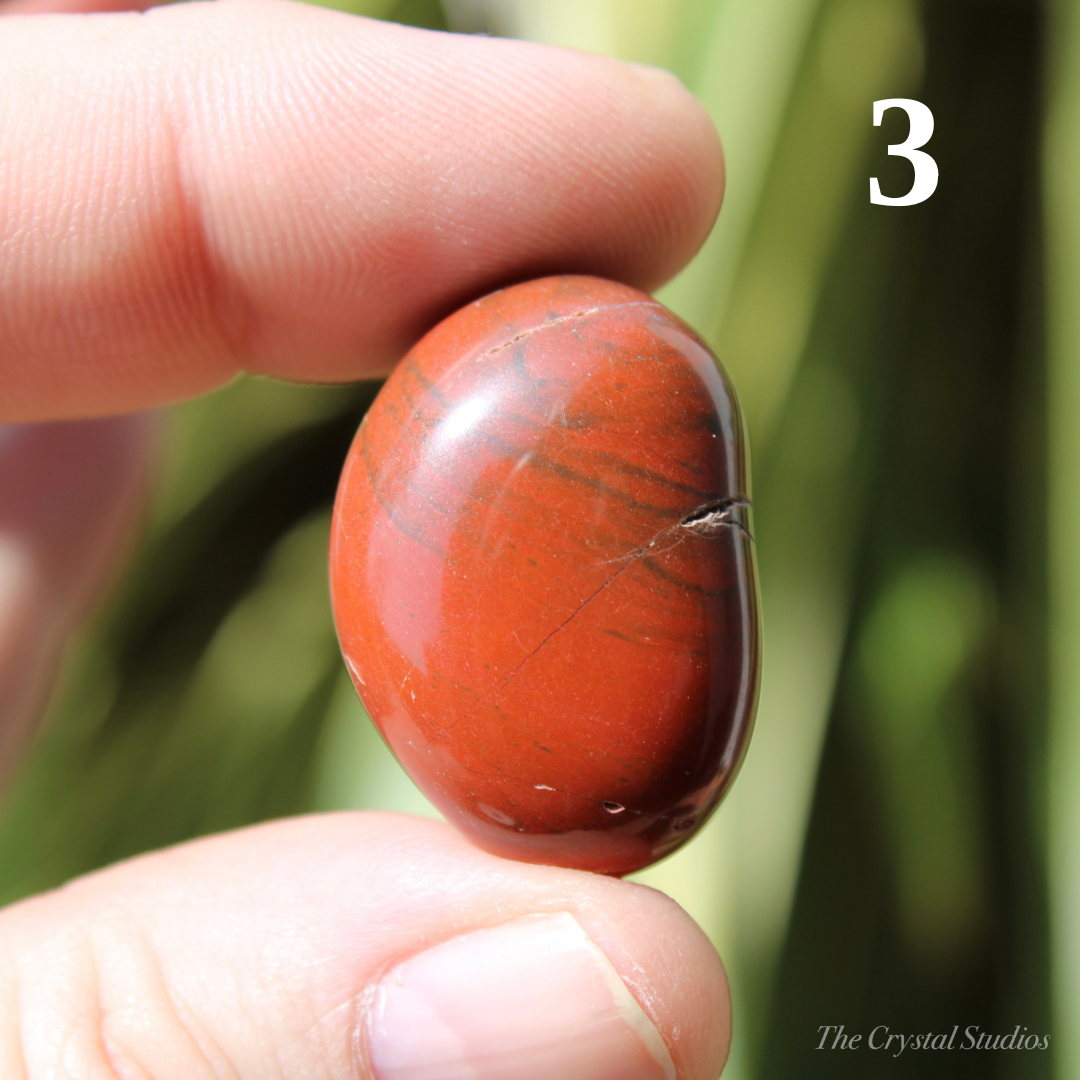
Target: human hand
x=301 y=193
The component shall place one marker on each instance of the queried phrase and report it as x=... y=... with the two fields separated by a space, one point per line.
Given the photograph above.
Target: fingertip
x=663 y=957
x=665 y=960
x=675 y=973
x=696 y=152
x=278 y=942
x=302 y=193
x=529 y=999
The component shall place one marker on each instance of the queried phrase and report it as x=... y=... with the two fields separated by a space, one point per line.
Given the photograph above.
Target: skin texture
x=284 y=988
x=238 y=186
x=543 y=575
x=270 y=187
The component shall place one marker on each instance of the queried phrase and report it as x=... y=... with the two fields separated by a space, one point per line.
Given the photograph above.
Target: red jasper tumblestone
x=543 y=575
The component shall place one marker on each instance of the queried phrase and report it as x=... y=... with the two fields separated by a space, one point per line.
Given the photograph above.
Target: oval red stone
x=543 y=575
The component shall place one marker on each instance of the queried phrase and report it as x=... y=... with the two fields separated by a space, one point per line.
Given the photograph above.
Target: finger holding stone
x=262 y=185
x=358 y=947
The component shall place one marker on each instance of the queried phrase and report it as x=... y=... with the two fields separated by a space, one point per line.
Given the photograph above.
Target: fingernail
x=534 y=999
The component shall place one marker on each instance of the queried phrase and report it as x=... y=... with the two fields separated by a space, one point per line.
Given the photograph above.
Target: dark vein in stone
x=701 y=514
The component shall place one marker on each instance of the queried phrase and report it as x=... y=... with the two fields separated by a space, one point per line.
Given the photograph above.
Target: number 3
x=921 y=121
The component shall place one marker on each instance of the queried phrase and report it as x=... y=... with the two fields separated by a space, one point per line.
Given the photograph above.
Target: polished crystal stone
x=543 y=574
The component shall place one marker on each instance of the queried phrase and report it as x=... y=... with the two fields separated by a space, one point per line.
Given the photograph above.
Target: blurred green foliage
x=197 y=704
x=882 y=858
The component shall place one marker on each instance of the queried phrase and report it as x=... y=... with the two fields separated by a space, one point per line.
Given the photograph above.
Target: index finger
x=261 y=185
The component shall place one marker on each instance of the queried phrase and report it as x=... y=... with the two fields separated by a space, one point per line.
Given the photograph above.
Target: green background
x=903 y=845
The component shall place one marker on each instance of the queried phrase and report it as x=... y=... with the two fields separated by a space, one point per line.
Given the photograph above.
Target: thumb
x=356 y=946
